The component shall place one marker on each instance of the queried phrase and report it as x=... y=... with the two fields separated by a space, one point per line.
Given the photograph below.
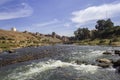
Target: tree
x=94 y=34
x=108 y=24
x=117 y=30
x=82 y=33
x=104 y=28
x=104 y=24
x=100 y=25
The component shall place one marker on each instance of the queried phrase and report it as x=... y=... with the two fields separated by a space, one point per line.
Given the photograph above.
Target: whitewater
x=62 y=66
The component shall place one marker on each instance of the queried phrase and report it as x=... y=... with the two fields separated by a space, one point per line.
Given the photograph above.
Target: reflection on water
x=62 y=66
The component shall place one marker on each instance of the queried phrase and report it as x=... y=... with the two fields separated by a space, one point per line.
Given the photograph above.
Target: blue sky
x=60 y=16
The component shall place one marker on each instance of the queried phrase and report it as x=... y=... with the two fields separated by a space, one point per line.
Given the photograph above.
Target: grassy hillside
x=19 y=36
x=11 y=39
x=111 y=41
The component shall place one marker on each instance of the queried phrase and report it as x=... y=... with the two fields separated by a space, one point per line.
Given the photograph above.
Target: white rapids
x=28 y=72
x=63 y=66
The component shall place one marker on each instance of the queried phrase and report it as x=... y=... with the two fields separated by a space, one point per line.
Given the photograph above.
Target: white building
x=13 y=29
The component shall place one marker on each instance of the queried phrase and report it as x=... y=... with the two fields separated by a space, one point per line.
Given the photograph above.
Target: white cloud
x=16 y=11
x=95 y=13
x=46 y=23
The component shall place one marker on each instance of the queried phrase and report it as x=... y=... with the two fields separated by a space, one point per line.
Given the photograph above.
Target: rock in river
x=104 y=60
x=104 y=63
x=11 y=51
x=107 y=53
x=116 y=64
x=117 y=52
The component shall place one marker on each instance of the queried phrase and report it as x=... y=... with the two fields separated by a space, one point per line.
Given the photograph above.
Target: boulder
x=107 y=53
x=81 y=62
x=117 y=52
x=104 y=60
x=116 y=64
x=118 y=69
x=11 y=51
x=103 y=65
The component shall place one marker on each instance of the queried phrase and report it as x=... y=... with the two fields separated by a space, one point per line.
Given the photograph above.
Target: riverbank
x=105 y=42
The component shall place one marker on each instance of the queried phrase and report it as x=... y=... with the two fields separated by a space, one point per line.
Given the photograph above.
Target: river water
x=62 y=66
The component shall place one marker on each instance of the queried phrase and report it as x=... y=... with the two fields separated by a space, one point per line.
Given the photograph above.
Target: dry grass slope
x=11 y=39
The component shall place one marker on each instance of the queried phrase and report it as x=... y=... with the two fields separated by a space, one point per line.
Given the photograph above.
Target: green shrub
x=102 y=41
x=115 y=40
x=3 y=38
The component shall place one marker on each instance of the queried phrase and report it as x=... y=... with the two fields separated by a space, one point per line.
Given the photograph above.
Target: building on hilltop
x=13 y=29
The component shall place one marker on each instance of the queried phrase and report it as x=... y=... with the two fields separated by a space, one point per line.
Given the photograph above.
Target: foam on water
x=88 y=57
x=63 y=65
x=86 y=68
x=38 y=68
x=94 y=54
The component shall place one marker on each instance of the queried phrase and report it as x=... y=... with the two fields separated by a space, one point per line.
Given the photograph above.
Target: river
x=63 y=66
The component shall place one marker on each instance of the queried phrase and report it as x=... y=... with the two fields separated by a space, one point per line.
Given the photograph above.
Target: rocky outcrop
x=104 y=63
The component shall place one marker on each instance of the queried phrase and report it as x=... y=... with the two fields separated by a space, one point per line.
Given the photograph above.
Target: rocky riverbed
x=66 y=62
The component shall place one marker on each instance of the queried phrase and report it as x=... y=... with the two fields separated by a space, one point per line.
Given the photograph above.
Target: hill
x=12 y=39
